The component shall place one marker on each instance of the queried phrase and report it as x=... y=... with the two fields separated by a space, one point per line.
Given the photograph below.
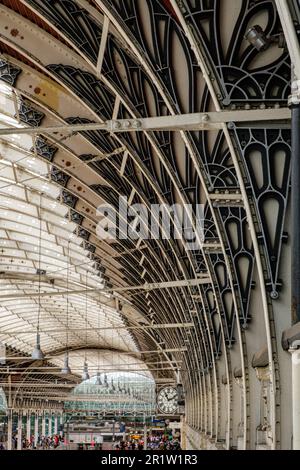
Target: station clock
x=167 y=400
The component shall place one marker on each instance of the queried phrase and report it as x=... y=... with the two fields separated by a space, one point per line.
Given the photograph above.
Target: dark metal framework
x=162 y=164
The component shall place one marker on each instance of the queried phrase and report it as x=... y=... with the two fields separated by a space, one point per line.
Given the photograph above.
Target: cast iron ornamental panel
x=225 y=301
x=244 y=85
x=218 y=168
x=241 y=254
x=69 y=73
x=8 y=72
x=268 y=149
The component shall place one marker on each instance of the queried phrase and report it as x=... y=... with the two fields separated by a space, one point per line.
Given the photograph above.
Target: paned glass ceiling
x=28 y=198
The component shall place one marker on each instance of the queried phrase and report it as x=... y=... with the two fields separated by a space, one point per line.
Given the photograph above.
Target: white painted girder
x=153 y=78
x=188 y=122
x=290 y=35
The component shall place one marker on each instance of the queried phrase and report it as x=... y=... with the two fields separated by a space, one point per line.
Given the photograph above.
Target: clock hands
x=167 y=400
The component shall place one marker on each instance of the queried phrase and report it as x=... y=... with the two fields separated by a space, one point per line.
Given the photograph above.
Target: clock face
x=167 y=400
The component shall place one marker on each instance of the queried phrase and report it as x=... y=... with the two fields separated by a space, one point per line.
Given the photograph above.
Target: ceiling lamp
x=37 y=353
x=105 y=381
x=85 y=373
x=261 y=42
x=98 y=379
x=257 y=38
x=66 y=368
x=2 y=354
x=113 y=385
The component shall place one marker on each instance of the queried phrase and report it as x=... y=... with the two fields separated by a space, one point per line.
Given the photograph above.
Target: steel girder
x=112 y=77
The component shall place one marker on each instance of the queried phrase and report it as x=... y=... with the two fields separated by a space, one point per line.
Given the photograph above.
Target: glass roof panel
x=24 y=188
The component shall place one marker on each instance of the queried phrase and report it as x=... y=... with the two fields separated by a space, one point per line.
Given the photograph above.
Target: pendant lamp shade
x=85 y=373
x=66 y=368
x=98 y=379
x=37 y=353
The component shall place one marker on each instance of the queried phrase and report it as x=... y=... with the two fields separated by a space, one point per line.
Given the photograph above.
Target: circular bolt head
x=126 y=124
x=137 y=124
x=274 y=295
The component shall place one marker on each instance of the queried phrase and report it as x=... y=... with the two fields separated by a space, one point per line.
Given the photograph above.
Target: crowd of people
x=129 y=445
x=163 y=443
x=154 y=442
x=42 y=442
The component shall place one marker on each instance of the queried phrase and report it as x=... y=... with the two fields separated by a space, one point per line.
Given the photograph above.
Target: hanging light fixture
x=258 y=38
x=66 y=368
x=105 y=381
x=37 y=353
x=2 y=354
x=85 y=373
x=98 y=379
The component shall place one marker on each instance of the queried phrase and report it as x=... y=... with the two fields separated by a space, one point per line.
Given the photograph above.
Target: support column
x=295 y=201
x=43 y=424
x=20 y=418
x=28 y=426
x=182 y=433
x=113 y=431
x=9 y=430
x=36 y=428
x=47 y=424
x=55 y=423
x=145 y=436
x=49 y=433
x=60 y=422
x=50 y=424
x=295 y=352
x=293 y=338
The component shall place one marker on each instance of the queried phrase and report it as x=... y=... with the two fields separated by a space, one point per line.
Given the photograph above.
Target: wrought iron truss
x=132 y=61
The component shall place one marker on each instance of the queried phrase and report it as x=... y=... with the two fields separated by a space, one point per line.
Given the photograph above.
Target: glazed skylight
x=27 y=195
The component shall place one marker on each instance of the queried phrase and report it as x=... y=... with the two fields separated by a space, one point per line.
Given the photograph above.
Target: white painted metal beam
x=16 y=369
x=194 y=121
x=146 y=287
x=158 y=326
x=290 y=34
x=102 y=44
x=103 y=353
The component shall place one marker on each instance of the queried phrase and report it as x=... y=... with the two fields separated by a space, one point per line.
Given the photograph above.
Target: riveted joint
x=123 y=125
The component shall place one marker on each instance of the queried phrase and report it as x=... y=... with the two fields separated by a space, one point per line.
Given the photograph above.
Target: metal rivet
x=274 y=295
x=116 y=125
x=136 y=124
